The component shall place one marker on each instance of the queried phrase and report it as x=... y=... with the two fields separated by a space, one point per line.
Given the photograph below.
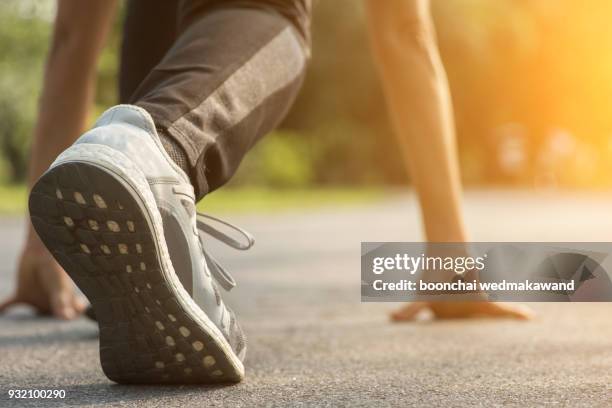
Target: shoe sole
x=97 y=227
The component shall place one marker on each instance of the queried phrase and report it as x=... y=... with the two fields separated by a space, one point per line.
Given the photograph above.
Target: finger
x=61 y=305
x=79 y=305
x=408 y=312
x=8 y=303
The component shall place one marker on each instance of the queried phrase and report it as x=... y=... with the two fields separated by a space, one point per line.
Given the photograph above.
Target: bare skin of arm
x=79 y=33
x=403 y=39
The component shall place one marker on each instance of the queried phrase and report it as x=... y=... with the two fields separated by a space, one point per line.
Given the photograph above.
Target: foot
x=43 y=285
x=119 y=215
x=462 y=310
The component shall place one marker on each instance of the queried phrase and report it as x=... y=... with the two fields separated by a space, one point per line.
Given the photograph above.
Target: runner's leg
x=228 y=79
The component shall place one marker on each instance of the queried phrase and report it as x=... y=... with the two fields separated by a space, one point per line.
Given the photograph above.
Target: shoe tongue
x=129 y=115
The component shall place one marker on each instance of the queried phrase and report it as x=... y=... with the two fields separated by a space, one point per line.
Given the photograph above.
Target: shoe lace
x=217 y=271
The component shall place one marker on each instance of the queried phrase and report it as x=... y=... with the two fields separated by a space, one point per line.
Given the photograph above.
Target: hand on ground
x=43 y=284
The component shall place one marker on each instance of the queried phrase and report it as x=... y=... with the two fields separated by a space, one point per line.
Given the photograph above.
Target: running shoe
x=119 y=216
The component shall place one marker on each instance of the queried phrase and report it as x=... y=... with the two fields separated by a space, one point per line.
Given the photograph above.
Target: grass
x=12 y=199
x=239 y=200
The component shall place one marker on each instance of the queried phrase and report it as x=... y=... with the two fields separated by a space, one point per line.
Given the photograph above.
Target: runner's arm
x=404 y=43
x=79 y=32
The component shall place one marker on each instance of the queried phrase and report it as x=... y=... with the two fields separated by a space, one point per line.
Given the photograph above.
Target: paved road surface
x=312 y=343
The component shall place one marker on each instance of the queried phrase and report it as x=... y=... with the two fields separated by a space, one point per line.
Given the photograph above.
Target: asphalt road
x=311 y=341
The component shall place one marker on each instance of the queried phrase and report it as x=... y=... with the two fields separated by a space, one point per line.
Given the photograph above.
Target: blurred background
x=531 y=82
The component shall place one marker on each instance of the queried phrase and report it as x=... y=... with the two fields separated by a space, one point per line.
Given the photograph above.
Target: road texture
x=311 y=341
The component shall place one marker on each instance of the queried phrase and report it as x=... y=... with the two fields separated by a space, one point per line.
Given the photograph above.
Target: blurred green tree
x=24 y=33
